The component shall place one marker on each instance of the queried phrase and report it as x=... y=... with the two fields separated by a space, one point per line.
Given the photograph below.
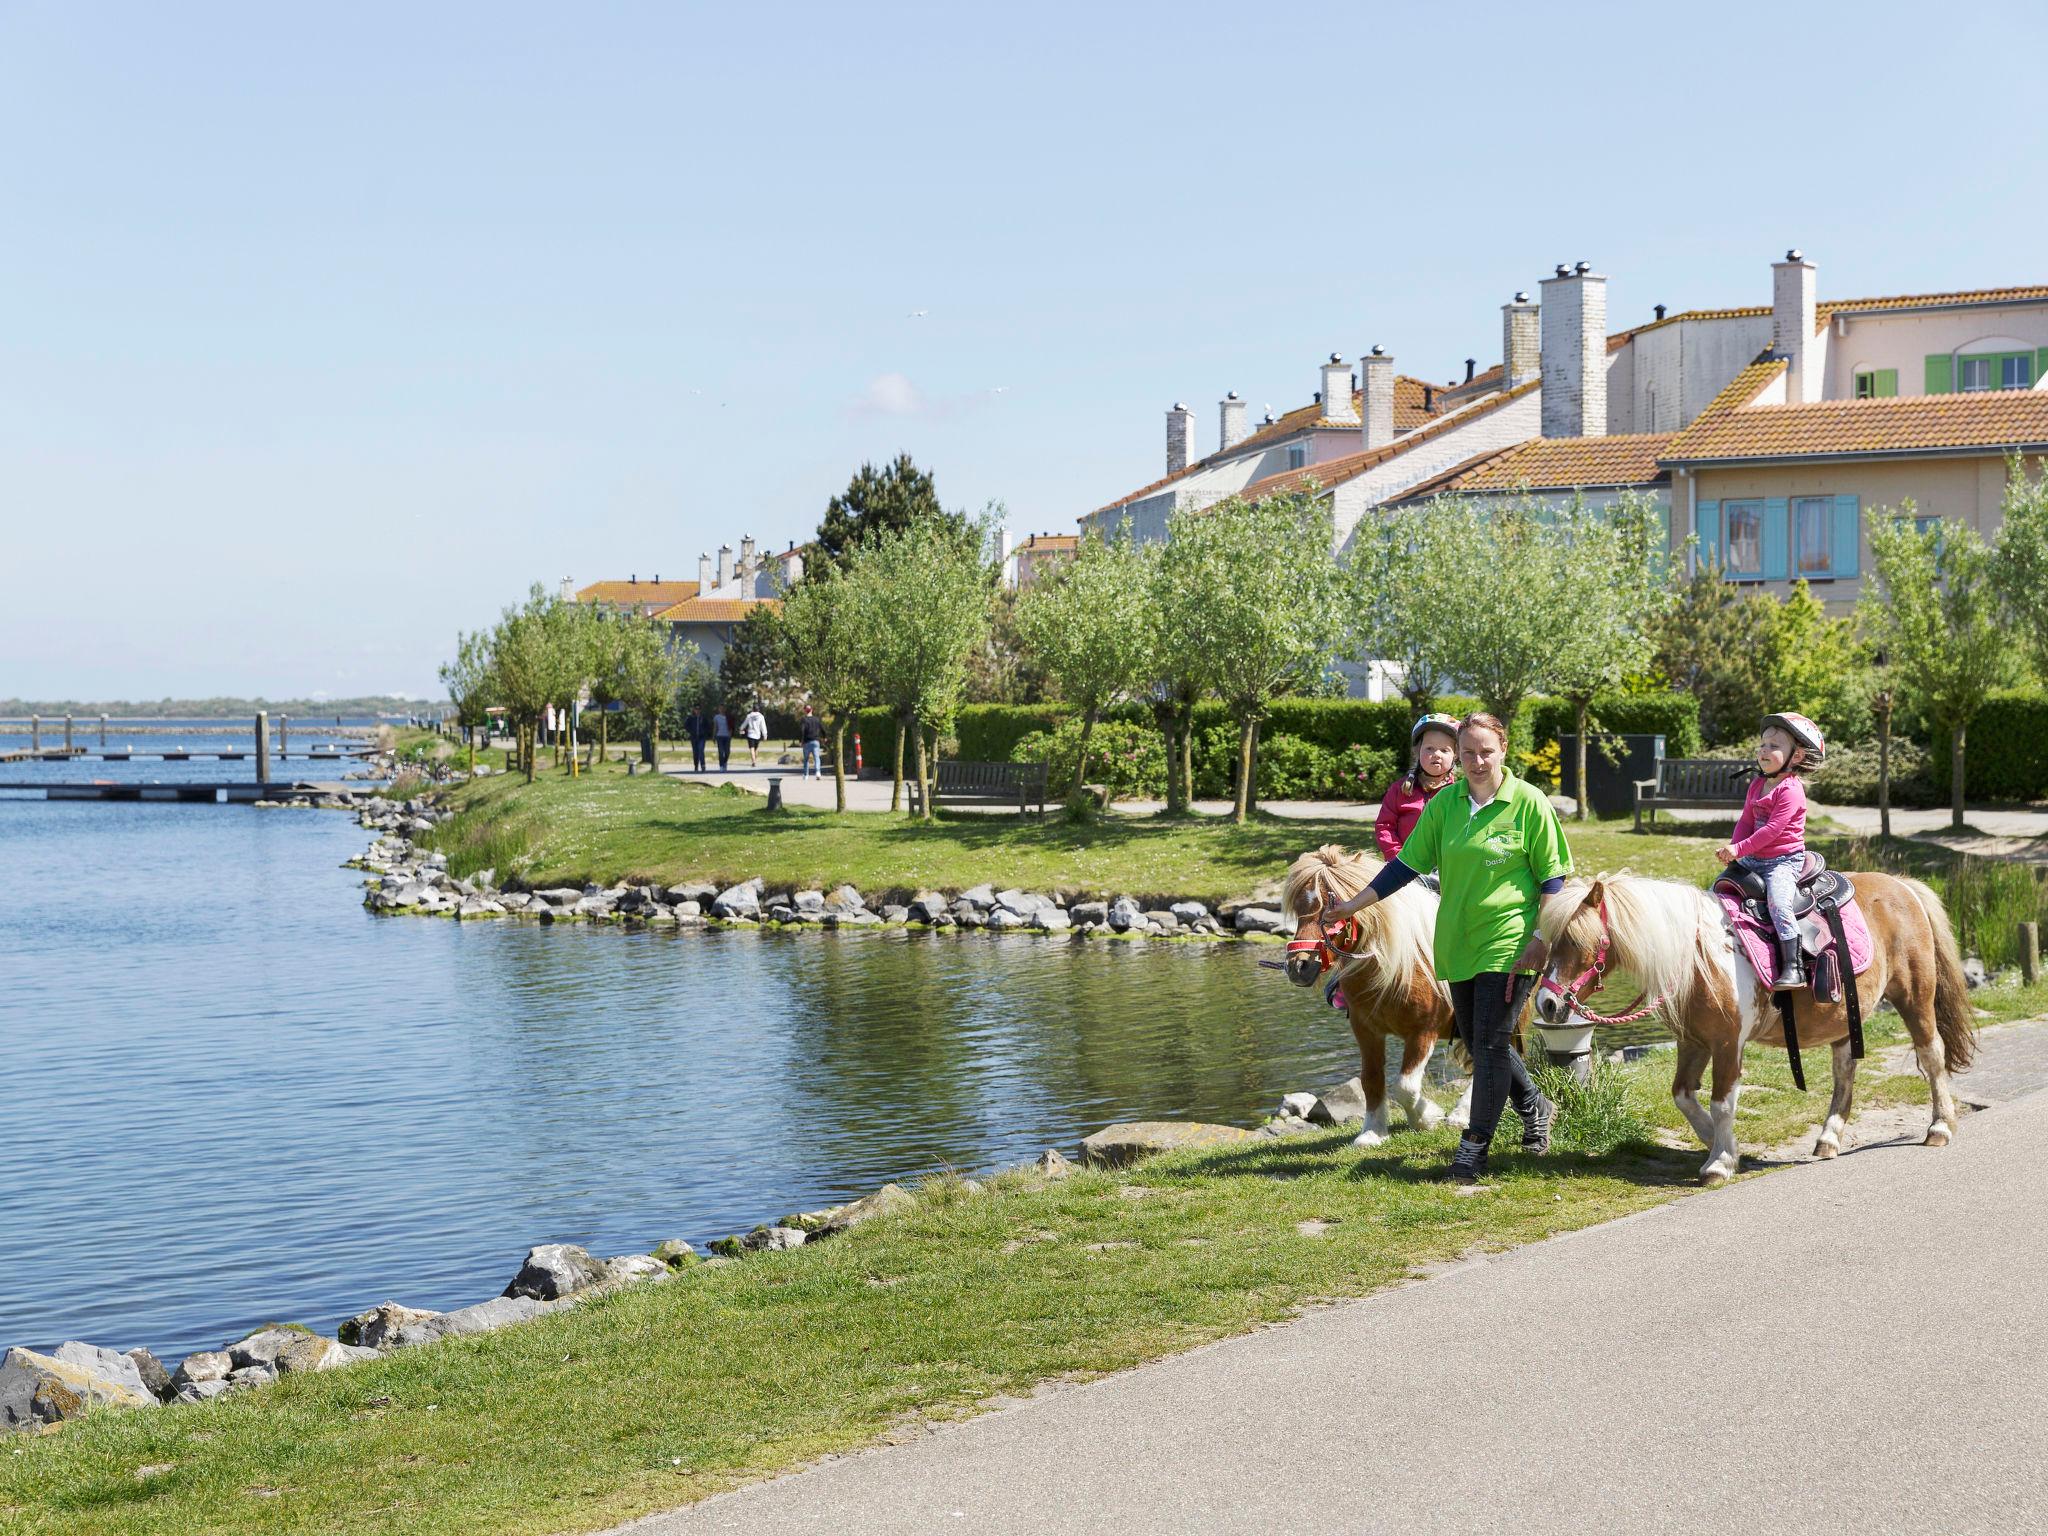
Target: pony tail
x=1954 y=1017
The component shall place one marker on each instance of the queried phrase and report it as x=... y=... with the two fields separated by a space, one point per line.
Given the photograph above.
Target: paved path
x=1858 y=1345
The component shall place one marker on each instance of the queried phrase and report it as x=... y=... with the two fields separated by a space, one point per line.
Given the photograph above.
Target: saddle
x=1817 y=908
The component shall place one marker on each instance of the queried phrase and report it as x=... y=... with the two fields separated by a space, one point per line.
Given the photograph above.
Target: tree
x=1933 y=613
x=649 y=670
x=926 y=589
x=1085 y=624
x=1182 y=667
x=470 y=682
x=1269 y=598
x=824 y=622
x=755 y=666
x=1382 y=574
x=895 y=497
x=1003 y=668
x=2019 y=566
x=1716 y=640
x=607 y=638
x=1820 y=666
x=540 y=657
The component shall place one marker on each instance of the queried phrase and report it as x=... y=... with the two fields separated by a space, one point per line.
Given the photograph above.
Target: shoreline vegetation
x=661 y=1386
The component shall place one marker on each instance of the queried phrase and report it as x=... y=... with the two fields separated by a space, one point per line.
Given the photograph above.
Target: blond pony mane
x=1396 y=937
x=1658 y=931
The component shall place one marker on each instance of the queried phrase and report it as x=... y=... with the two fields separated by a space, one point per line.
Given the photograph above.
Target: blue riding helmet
x=1433 y=723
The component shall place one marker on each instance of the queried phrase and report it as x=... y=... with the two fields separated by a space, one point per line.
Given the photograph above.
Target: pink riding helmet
x=1803 y=731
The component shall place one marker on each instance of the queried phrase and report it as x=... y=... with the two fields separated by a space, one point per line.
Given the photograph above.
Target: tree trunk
x=1884 y=772
x=1956 y=774
x=1245 y=738
x=1186 y=765
x=896 y=783
x=1581 y=709
x=1081 y=759
x=839 y=764
x=528 y=751
x=924 y=788
x=604 y=736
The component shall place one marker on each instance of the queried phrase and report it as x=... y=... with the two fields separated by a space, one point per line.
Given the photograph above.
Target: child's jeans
x=1781 y=888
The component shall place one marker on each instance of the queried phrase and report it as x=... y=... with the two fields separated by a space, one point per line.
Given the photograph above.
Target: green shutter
x=1887 y=382
x=1847 y=542
x=1940 y=373
x=2040 y=363
x=1777 y=522
x=1710 y=532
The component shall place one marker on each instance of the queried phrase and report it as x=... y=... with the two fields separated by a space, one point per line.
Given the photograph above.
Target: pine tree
x=878 y=500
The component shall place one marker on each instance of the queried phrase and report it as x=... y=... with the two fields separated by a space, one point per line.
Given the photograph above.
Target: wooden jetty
x=234 y=792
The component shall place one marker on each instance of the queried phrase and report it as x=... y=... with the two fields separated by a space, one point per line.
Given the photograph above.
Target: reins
x=1596 y=973
x=1338 y=939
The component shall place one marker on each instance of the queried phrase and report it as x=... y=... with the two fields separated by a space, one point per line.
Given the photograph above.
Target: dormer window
x=1972 y=373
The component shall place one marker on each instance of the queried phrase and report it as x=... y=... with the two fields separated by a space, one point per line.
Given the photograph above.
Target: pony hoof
x=1430 y=1118
x=1457 y=1121
x=1825 y=1148
x=1937 y=1136
x=1713 y=1178
x=1368 y=1139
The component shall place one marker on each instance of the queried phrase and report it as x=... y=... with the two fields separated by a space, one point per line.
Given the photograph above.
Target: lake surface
x=235 y=1096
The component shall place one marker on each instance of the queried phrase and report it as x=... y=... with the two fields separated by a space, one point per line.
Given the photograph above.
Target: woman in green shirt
x=1497 y=848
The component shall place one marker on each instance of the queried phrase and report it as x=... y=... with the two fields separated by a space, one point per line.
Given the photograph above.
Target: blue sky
x=324 y=331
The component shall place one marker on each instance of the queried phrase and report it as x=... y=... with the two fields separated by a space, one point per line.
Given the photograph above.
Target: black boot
x=1469 y=1166
x=1791 y=974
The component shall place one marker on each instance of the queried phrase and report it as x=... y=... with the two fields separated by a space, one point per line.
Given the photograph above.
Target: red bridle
x=1595 y=974
x=1344 y=933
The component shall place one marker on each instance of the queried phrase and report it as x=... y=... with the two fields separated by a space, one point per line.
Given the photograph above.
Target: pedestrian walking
x=755 y=729
x=696 y=728
x=721 y=732
x=811 y=732
x=1497 y=848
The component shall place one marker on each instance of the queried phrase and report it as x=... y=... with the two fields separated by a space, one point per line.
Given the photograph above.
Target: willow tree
x=1269 y=600
x=2019 y=567
x=649 y=670
x=1932 y=611
x=927 y=591
x=541 y=656
x=469 y=679
x=1605 y=573
x=1085 y=622
x=831 y=653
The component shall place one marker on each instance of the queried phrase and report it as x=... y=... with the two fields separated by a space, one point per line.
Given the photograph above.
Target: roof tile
x=1907 y=424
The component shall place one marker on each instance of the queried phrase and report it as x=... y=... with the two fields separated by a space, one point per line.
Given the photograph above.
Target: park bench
x=1693 y=784
x=1004 y=784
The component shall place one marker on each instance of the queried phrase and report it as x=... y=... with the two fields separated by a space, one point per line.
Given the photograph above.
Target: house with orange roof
x=1027 y=562
x=705 y=612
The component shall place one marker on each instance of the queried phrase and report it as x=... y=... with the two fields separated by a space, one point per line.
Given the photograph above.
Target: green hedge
x=1674 y=716
x=989 y=733
x=2006 y=753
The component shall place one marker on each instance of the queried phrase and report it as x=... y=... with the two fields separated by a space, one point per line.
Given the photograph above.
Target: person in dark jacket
x=696 y=727
x=811 y=732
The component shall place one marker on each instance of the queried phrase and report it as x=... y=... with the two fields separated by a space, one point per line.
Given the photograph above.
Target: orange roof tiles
x=1336 y=471
x=715 y=610
x=1050 y=542
x=1747 y=384
x=1555 y=463
x=1990 y=421
x=637 y=594
x=1938 y=300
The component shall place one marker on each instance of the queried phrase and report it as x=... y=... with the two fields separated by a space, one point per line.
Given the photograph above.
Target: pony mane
x=1396 y=937
x=1657 y=930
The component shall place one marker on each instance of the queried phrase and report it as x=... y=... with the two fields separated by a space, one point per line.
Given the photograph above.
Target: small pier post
x=2030 y=952
x=262 y=746
x=284 y=737
x=35 y=733
x=103 y=732
x=67 y=735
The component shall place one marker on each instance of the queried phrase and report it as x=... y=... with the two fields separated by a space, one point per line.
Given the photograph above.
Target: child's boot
x=1791 y=974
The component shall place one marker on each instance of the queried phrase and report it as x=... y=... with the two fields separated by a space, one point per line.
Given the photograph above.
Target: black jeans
x=1486 y=1021
x=724 y=752
x=697 y=752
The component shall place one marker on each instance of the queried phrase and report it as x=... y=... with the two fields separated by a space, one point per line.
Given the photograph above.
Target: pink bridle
x=1643 y=1007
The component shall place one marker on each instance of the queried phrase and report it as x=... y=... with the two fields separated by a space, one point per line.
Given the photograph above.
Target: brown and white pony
x=1674 y=944
x=1386 y=967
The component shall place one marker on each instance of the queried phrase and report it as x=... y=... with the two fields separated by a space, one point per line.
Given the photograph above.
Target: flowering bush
x=1126 y=760
x=1290 y=768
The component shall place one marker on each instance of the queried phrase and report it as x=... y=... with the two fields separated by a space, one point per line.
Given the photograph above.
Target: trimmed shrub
x=2006 y=753
x=1127 y=760
x=1290 y=768
x=1674 y=716
x=989 y=733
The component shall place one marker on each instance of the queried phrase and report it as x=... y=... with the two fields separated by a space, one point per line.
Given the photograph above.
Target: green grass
x=663 y=1395
x=605 y=826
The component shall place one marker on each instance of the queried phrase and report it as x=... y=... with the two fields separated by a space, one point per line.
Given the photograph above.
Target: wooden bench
x=1693 y=784
x=1004 y=784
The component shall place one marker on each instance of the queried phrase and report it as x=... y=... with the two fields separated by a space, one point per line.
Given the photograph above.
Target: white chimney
x=1376 y=384
x=1574 y=327
x=1521 y=343
x=1231 y=413
x=1009 y=572
x=1180 y=438
x=724 y=564
x=1793 y=314
x=567 y=590
x=703 y=574
x=747 y=558
x=1337 y=407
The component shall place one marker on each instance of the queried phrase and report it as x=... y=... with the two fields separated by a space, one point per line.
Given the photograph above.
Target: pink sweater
x=1399 y=811
x=1773 y=819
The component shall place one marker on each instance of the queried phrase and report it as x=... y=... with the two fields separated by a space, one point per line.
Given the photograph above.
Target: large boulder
x=283 y=1351
x=675 y=1253
x=773 y=1239
x=695 y=891
x=379 y=1327
x=153 y=1374
x=742 y=900
x=983 y=896
x=1089 y=911
x=1053 y=920
x=1339 y=1105
x=1259 y=920
x=887 y=1200
x=631 y=1268
x=1023 y=903
x=810 y=901
x=555 y=1270
x=845 y=898
x=1115 y=1146
x=40 y=1389
x=202 y=1368
x=1053 y=1165
x=484 y=1317
x=1003 y=917
x=928 y=907
x=1189 y=911
x=1123 y=912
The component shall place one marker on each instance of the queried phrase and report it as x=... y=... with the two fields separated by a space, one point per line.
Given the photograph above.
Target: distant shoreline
x=18 y=711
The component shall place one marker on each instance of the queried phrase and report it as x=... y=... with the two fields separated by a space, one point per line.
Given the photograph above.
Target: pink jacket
x=1400 y=809
x=1773 y=819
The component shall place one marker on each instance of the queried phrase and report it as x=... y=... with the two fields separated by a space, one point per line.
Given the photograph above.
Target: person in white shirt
x=755 y=729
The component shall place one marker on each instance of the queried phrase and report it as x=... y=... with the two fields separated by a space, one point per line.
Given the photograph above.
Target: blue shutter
x=1848 y=540
x=1710 y=532
x=1777 y=523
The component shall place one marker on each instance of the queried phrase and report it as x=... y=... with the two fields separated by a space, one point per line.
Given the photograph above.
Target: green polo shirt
x=1490 y=865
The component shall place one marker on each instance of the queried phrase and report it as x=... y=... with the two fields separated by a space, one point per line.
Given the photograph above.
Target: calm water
x=235 y=1096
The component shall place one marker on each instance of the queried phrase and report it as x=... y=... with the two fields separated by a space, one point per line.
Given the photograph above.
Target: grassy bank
x=606 y=826
x=660 y=1396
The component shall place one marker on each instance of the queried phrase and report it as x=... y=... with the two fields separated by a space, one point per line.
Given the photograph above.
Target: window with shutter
x=1940 y=373
x=1707 y=516
x=1743 y=559
x=1774 y=531
x=1846 y=546
x=1813 y=537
